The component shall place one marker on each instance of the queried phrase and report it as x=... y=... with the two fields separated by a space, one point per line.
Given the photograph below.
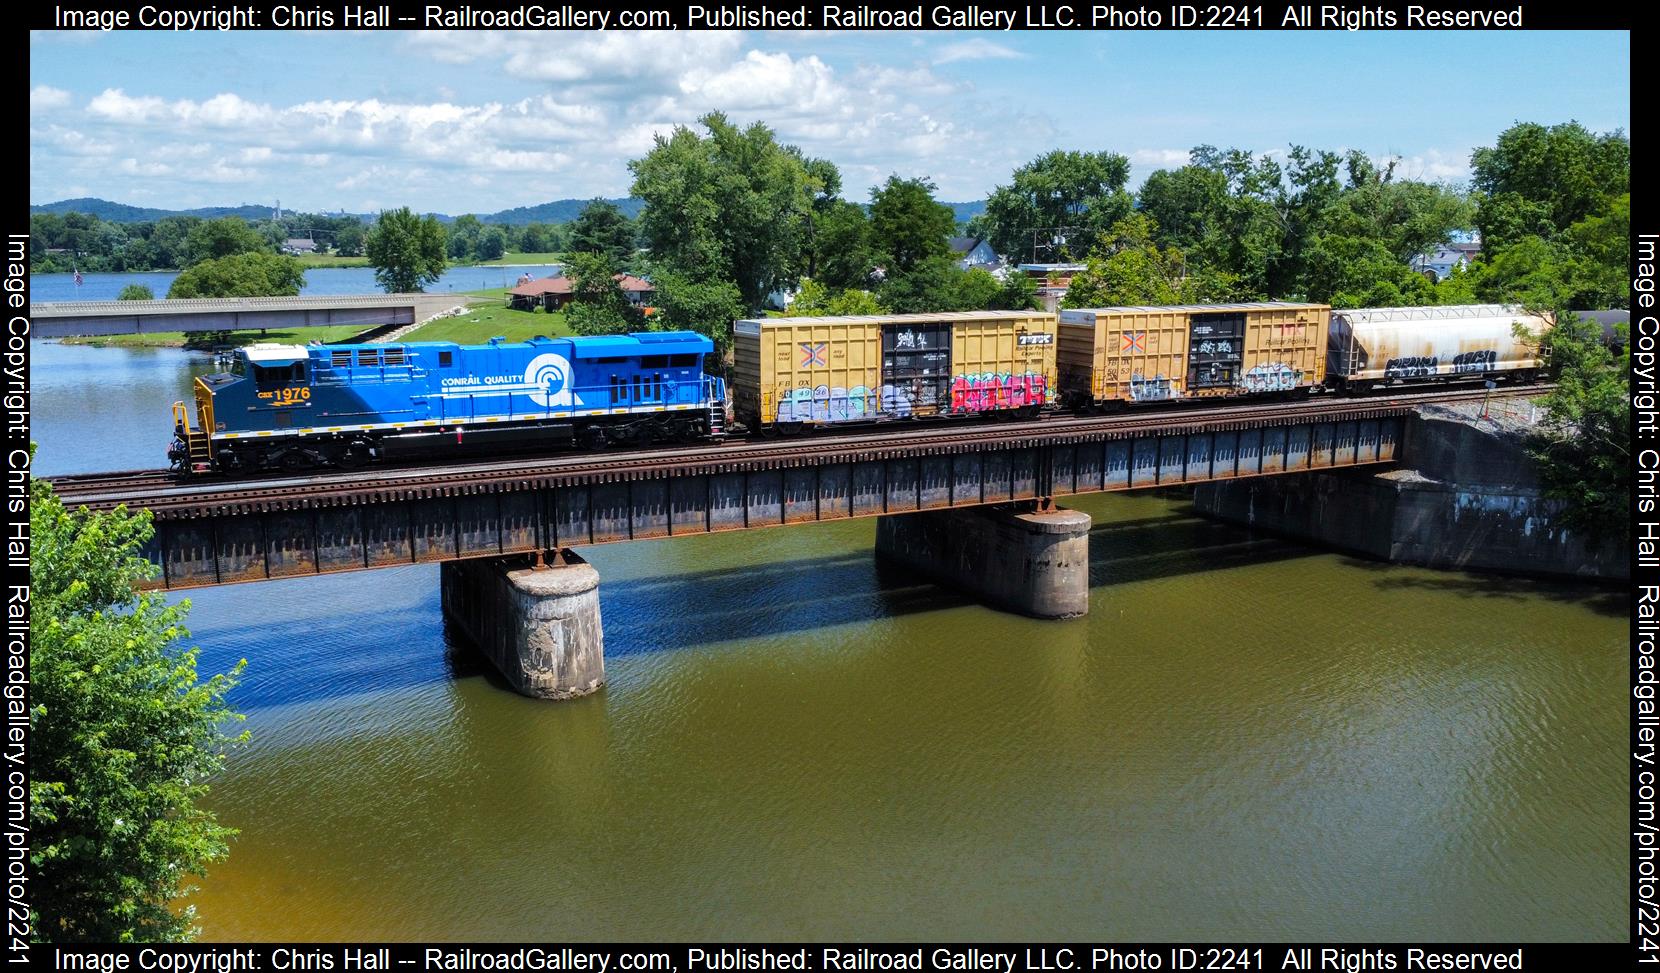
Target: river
x=1246 y=739
x=318 y=281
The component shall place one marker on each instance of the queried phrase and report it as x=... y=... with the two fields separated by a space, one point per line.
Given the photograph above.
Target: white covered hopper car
x=1385 y=345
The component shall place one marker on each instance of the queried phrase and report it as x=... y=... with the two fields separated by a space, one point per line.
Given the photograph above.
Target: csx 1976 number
x=281 y=397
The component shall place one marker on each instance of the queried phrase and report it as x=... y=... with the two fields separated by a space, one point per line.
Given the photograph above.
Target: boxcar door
x=916 y=368
x=1215 y=353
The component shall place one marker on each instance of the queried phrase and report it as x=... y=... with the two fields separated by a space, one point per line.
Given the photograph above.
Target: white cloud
x=1160 y=158
x=605 y=98
x=977 y=49
x=44 y=97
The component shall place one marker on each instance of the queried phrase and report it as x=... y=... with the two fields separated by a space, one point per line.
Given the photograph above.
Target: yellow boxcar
x=1142 y=354
x=816 y=371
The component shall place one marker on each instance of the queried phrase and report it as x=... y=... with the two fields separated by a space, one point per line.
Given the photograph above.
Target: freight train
x=296 y=408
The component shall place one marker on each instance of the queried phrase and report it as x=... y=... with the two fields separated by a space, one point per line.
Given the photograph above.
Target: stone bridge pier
x=1020 y=557
x=539 y=623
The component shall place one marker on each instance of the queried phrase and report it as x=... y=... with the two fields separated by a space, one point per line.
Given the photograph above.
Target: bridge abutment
x=539 y=625
x=1015 y=557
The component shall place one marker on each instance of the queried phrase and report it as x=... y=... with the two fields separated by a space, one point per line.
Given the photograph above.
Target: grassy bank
x=490 y=318
x=328 y=260
x=509 y=259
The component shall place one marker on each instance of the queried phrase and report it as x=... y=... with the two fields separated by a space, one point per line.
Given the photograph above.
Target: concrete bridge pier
x=1017 y=557
x=539 y=624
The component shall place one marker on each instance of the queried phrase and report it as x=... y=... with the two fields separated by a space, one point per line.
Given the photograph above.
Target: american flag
x=77 y=276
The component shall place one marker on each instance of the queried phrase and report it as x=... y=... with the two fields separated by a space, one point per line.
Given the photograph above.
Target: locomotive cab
x=266 y=387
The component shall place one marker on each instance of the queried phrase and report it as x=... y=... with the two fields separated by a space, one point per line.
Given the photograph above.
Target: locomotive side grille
x=394 y=356
x=340 y=359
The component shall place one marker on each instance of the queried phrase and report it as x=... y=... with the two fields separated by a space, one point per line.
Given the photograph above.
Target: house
x=299 y=245
x=1439 y=263
x=973 y=251
x=553 y=293
x=1052 y=281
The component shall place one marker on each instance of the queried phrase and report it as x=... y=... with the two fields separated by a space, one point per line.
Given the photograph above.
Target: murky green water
x=1246 y=738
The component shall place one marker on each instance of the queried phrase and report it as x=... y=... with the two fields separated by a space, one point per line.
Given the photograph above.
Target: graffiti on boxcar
x=1270 y=377
x=1156 y=389
x=825 y=404
x=1475 y=361
x=1415 y=367
x=989 y=391
x=1215 y=347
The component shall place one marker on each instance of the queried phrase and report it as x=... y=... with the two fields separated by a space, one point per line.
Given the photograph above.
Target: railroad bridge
x=969 y=505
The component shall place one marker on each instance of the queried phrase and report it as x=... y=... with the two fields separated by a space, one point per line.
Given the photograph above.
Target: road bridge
x=91 y=318
x=969 y=504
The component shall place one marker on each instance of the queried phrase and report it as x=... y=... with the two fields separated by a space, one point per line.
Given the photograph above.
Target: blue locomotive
x=294 y=407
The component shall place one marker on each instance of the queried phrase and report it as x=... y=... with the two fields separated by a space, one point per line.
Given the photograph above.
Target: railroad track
x=166 y=495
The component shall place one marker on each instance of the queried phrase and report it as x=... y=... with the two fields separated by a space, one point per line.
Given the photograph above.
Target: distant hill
x=122 y=213
x=558 y=211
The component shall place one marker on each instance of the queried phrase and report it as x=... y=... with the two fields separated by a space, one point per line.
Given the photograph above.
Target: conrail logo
x=546 y=381
x=550 y=374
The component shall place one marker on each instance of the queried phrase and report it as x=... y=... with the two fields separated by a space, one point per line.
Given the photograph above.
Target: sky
x=457 y=122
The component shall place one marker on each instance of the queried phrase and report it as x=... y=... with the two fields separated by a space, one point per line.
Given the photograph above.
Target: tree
x=407 y=251
x=815 y=299
x=1128 y=268
x=241 y=275
x=348 y=240
x=136 y=292
x=1584 y=454
x=707 y=307
x=846 y=257
x=907 y=227
x=492 y=243
x=603 y=229
x=728 y=206
x=534 y=238
x=1072 y=195
x=124 y=736
x=1540 y=180
x=224 y=237
x=935 y=284
x=463 y=236
x=598 y=304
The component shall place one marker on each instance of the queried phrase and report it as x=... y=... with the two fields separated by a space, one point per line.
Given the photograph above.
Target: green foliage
x=603 y=229
x=728 y=206
x=907 y=227
x=707 y=307
x=1346 y=271
x=224 y=237
x=536 y=238
x=124 y=736
x=1019 y=293
x=241 y=275
x=136 y=292
x=818 y=300
x=1073 y=196
x=598 y=305
x=846 y=254
x=1128 y=268
x=1539 y=180
x=462 y=236
x=492 y=243
x=348 y=240
x=1585 y=453
x=935 y=284
x=407 y=251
